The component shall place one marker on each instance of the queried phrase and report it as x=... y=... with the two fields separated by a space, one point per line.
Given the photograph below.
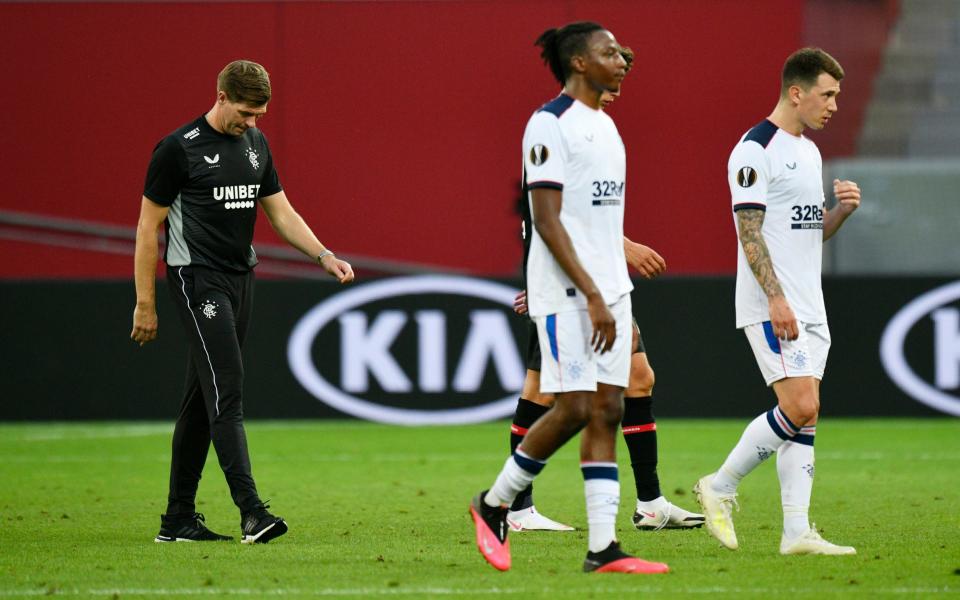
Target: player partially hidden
x=653 y=511
x=578 y=294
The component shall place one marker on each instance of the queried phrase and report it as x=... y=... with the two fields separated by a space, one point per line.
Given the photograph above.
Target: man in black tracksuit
x=204 y=183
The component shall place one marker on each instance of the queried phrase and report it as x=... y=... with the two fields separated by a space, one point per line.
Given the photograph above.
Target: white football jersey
x=576 y=149
x=782 y=174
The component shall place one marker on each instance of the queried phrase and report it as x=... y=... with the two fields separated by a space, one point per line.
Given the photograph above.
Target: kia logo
x=412 y=351
x=945 y=348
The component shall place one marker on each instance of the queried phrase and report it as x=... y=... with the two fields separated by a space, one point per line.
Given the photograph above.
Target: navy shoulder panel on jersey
x=558 y=105
x=761 y=133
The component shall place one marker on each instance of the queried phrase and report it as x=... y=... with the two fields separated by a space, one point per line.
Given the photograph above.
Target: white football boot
x=717 y=510
x=669 y=517
x=810 y=542
x=528 y=519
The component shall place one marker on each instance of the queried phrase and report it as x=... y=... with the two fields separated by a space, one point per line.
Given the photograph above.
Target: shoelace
x=815 y=535
x=728 y=501
x=260 y=510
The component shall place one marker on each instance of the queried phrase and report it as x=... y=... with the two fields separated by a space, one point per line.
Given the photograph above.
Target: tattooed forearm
x=750 y=222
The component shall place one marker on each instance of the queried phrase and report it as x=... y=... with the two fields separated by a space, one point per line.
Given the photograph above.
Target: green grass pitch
x=382 y=511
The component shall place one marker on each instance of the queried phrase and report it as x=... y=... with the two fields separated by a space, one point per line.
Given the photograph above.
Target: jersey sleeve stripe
x=553 y=185
x=749 y=206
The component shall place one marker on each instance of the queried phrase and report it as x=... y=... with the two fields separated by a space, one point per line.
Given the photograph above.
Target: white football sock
x=762 y=437
x=602 y=491
x=795 y=466
x=518 y=472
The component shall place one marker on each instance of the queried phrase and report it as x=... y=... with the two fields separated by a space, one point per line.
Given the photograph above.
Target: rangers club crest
x=254 y=159
x=574 y=370
x=209 y=309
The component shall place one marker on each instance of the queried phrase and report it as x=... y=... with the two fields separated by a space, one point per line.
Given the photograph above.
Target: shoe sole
x=162 y=539
x=495 y=553
x=270 y=532
x=697 y=525
x=817 y=553
x=516 y=527
x=633 y=566
x=523 y=529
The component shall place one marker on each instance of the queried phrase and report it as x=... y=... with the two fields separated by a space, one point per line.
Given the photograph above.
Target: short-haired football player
x=775 y=178
x=205 y=183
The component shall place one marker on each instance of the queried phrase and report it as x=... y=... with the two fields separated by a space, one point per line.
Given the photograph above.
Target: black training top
x=211 y=181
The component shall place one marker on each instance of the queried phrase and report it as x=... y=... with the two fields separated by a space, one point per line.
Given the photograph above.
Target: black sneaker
x=614 y=560
x=259 y=526
x=187 y=528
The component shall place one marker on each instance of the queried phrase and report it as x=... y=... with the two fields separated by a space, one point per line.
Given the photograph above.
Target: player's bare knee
x=641 y=383
x=802 y=410
x=608 y=409
x=574 y=411
x=531 y=385
x=609 y=415
x=543 y=399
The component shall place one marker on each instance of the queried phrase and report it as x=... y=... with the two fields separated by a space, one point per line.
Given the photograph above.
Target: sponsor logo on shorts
x=932 y=323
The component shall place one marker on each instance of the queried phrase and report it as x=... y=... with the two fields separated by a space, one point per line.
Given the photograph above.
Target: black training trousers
x=215 y=308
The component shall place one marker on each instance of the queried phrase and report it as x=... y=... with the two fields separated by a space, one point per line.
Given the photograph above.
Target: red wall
x=395 y=125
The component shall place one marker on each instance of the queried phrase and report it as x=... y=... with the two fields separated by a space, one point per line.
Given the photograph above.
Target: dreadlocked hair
x=559 y=45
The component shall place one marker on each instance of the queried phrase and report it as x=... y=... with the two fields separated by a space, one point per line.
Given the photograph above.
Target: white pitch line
x=55 y=433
